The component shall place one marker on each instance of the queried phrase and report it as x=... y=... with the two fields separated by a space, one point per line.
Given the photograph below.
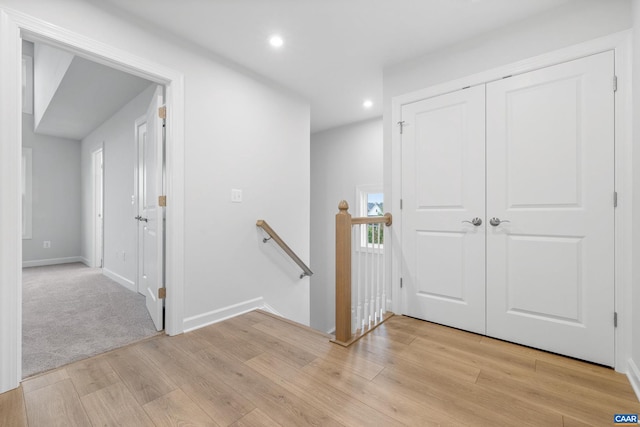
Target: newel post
x=343 y=273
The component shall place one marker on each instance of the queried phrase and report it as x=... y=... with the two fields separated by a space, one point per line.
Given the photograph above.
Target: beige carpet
x=71 y=312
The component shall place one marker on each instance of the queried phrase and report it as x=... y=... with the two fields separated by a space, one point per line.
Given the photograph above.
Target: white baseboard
x=86 y=262
x=120 y=279
x=51 y=261
x=215 y=316
x=266 y=307
x=633 y=373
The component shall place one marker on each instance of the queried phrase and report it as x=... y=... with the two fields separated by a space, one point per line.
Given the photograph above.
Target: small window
x=27 y=186
x=371 y=204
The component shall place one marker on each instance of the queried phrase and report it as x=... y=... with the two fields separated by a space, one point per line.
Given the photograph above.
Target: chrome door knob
x=475 y=221
x=497 y=221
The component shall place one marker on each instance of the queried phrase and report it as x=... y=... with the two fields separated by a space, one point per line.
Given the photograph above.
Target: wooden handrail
x=344 y=222
x=386 y=219
x=306 y=271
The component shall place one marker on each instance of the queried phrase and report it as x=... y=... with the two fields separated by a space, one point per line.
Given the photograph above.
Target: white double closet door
x=532 y=157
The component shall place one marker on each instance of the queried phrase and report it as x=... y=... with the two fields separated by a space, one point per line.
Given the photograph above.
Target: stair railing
x=361 y=288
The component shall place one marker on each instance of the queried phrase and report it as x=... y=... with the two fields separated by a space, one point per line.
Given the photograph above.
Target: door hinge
x=401 y=283
x=615 y=199
x=615 y=319
x=400 y=204
x=162 y=112
x=401 y=124
x=615 y=83
x=162 y=293
x=162 y=201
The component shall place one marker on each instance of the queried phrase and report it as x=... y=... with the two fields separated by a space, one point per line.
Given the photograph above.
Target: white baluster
x=356 y=244
x=365 y=320
x=383 y=308
x=354 y=284
x=378 y=275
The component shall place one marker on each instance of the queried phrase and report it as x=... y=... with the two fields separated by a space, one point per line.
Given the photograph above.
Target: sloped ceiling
x=87 y=96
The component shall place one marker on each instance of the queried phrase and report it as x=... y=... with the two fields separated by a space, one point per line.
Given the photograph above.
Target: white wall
x=50 y=65
x=56 y=197
x=635 y=350
x=239 y=133
x=341 y=159
x=117 y=137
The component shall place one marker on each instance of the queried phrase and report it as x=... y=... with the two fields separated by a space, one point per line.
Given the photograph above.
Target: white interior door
x=443 y=172
x=151 y=215
x=550 y=164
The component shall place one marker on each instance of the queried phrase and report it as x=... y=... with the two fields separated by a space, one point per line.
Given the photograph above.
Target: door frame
x=13 y=27
x=98 y=207
x=620 y=43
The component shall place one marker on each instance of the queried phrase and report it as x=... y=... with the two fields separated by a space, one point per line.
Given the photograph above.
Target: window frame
x=362 y=201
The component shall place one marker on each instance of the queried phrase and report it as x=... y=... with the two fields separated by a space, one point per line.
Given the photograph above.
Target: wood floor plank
x=345 y=409
x=43 y=380
x=218 y=337
x=396 y=334
x=115 y=406
x=266 y=342
x=471 y=353
x=563 y=361
x=174 y=362
x=296 y=336
x=92 y=375
x=467 y=402
x=610 y=386
x=12 y=408
x=57 y=404
x=255 y=418
x=279 y=404
x=176 y=409
x=597 y=409
x=221 y=402
x=572 y=422
x=384 y=400
x=143 y=379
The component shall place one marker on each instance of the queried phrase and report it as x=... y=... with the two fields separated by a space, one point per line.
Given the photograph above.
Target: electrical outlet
x=46 y=244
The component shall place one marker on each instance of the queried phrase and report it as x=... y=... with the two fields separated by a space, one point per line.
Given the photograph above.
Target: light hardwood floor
x=258 y=370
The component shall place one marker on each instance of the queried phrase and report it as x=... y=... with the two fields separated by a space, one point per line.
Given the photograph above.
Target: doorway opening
x=80 y=287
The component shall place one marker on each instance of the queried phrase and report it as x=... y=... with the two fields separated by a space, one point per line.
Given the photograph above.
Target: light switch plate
x=236 y=196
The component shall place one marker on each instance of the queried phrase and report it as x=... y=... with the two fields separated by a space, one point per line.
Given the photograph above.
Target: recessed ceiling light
x=276 y=41
x=367 y=103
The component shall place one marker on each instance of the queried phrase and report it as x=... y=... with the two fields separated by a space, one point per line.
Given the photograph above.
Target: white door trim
x=14 y=25
x=97 y=206
x=620 y=43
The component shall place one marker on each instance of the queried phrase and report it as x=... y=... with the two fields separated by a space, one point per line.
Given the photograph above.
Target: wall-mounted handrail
x=306 y=271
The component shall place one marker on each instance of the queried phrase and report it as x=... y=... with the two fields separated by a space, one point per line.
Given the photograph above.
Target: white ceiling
x=88 y=95
x=335 y=50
